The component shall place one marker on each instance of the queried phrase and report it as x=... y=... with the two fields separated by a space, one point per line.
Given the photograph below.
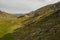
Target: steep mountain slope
x=39 y=13
x=42 y=24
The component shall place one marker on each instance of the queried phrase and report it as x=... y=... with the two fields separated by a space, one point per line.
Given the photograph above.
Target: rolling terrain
x=8 y=22
x=41 y=24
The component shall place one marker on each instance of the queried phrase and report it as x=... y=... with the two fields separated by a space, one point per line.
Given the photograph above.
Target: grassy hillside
x=6 y=22
x=41 y=24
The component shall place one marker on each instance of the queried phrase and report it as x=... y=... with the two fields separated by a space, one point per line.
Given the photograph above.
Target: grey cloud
x=23 y=5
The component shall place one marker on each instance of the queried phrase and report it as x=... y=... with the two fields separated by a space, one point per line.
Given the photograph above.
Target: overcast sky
x=23 y=6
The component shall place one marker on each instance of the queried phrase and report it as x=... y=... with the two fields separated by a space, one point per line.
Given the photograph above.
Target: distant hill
x=4 y=15
x=18 y=15
x=41 y=24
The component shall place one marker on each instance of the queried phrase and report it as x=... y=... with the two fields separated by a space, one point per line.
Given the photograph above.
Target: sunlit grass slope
x=6 y=22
